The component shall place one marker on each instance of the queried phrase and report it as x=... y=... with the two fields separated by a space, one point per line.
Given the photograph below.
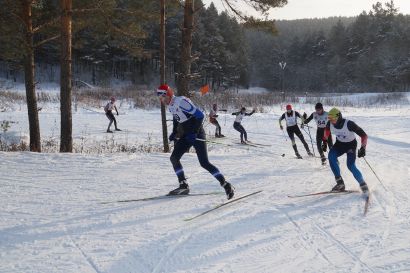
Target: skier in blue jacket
x=187 y=132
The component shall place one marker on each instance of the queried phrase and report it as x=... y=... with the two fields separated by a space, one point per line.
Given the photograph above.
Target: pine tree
x=24 y=27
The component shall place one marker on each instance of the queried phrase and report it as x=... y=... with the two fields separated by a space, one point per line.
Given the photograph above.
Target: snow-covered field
x=52 y=219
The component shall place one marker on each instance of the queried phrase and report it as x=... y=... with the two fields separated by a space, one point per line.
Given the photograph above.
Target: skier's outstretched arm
x=280 y=121
x=307 y=120
x=359 y=131
x=251 y=113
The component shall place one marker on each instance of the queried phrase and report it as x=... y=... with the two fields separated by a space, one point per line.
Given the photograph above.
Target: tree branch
x=47 y=40
x=49 y=23
x=19 y=17
x=234 y=10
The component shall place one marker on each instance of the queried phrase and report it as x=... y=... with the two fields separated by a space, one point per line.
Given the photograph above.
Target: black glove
x=361 y=152
x=302 y=125
x=172 y=137
x=324 y=146
x=304 y=116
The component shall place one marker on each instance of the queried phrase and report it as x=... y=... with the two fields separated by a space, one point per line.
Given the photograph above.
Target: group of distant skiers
x=188 y=132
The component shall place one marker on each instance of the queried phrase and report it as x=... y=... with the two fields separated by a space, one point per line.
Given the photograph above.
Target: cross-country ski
x=222 y=205
x=160 y=197
x=323 y=193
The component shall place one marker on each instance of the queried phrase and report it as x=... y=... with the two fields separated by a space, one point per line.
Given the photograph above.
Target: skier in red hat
x=187 y=132
x=293 y=129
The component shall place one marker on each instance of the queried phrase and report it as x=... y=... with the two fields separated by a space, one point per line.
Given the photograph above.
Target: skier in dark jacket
x=108 y=112
x=320 y=117
x=293 y=129
x=346 y=143
x=187 y=132
x=237 y=123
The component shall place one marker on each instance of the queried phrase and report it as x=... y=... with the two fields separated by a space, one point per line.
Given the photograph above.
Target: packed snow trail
x=52 y=219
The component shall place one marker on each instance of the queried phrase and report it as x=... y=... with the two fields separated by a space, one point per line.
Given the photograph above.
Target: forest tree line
x=111 y=36
x=369 y=52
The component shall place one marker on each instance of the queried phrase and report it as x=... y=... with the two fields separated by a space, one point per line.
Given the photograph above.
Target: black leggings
x=182 y=146
x=112 y=119
x=238 y=127
x=218 y=127
x=292 y=131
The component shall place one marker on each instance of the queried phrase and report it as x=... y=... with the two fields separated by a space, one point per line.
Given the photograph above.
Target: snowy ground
x=52 y=219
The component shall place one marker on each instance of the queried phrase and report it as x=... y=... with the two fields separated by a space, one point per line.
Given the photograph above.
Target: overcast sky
x=297 y=9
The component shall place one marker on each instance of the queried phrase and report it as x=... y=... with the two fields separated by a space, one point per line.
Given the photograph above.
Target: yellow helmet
x=334 y=114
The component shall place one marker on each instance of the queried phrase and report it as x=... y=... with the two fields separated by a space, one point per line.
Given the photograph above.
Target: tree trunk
x=66 y=141
x=162 y=77
x=186 y=59
x=34 y=125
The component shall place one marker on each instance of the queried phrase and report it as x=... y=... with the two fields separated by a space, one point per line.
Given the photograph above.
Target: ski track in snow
x=86 y=257
x=51 y=219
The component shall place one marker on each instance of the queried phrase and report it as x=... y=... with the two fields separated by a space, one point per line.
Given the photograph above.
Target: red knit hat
x=165 y=90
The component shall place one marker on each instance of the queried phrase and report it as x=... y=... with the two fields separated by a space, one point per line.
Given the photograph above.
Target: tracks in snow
x=311 y=239
x=83 y=254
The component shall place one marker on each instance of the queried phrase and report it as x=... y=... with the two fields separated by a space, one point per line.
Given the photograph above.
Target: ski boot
x=340 y=186
x=243 y=142
x=310 y=153
x=298 y=156
x=116 y=129
x=323 y=159
x=364 y=188
x=183 y=189
x=109 y=131
x=229 y=190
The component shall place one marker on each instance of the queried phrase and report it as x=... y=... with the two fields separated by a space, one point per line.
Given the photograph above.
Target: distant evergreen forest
x=370 y=52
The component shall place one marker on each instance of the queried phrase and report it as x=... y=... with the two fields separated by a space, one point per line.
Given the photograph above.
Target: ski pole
x=231 y=145
x=305 y=125
x=311 y=141
x=375 y=173
x=214 y=142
